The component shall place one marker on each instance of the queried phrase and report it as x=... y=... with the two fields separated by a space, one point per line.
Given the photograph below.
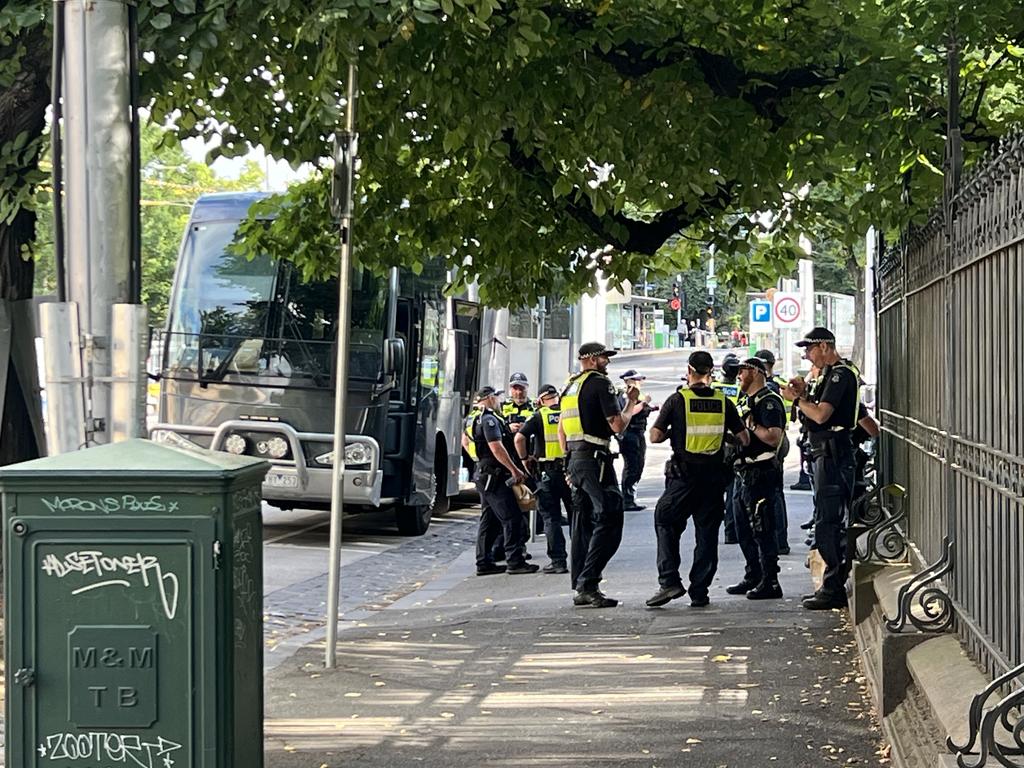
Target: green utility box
x=134 y=591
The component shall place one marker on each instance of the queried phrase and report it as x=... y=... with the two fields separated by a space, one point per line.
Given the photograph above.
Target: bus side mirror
x=394 y=356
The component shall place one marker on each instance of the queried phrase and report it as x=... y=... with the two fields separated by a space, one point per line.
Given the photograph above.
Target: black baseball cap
x=595 y=349
x=518 y=380
x=767 y=355
x=756 y=363
x=547 y=389
x=632 y=373
x=816 y=336
x=701 y=362
x=484 y=392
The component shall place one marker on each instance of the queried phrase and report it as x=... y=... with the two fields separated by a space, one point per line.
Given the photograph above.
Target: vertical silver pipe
x=62 y=362
x=346 y=147
x=129 y=347
x=98 y=179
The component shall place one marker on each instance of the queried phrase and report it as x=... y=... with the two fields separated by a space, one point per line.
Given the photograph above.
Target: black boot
x=743 y=587
x=766 y=590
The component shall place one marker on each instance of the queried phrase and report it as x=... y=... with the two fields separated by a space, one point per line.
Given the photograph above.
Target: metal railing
x=951 y=396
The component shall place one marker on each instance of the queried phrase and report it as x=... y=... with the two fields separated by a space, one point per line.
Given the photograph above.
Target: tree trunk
x=22 y=109
x=856 y=272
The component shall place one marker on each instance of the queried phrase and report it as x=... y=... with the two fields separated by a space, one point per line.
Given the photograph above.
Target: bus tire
x=413 y=520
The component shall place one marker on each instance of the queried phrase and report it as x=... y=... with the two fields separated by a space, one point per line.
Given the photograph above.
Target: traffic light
x=675 y=290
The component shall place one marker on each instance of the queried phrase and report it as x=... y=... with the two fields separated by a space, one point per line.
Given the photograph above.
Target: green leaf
x=161 y=21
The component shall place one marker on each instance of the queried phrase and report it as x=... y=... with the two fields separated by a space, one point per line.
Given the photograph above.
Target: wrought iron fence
x=951 y=396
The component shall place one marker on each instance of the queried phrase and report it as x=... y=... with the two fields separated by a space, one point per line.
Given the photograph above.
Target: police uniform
x=516 y=413
x=696 y=420
x=552 y=490
x=499 y=511
x=776 y=384
x=831 y=449
x=633 y=447
x=587 y=403
x=760 y=482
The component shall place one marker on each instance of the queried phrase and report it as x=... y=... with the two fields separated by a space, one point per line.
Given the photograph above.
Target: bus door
x=399 y=443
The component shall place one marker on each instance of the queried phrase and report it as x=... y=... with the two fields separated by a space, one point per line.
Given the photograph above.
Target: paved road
x=502 y=670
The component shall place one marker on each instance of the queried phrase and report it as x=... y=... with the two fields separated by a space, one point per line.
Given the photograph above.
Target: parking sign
x=761 y=316
x=787 y=311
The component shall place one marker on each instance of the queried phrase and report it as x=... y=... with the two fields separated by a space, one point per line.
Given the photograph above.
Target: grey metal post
x=98 y=179
x=62 y=363
x=345 y=155
x=129 y=347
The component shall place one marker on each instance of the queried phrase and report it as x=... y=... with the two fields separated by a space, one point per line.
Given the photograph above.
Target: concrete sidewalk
x=503 y=670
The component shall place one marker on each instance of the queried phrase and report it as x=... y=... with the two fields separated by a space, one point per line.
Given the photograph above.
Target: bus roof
x=225 y=206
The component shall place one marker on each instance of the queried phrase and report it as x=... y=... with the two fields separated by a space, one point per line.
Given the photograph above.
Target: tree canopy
x=520 y=139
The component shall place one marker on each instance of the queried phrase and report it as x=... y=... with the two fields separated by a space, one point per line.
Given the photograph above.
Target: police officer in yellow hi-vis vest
x=518 y=409
x=547 y=461
x=590 y=417
x=696 y=420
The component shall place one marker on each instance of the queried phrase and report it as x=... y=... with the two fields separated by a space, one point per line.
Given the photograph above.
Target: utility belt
x=676 y=468
x=492 y=469
x=831 y=442
x=549 y=464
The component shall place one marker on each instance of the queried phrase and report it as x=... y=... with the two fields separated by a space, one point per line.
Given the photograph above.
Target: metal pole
x=98 y=181
x=345 y=154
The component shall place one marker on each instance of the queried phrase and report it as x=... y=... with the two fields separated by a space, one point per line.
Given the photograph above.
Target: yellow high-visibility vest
x=732 y=391
x=474 y=414
x=705 y=421
x=572 y=425
x=509 y=408
x=552 y=448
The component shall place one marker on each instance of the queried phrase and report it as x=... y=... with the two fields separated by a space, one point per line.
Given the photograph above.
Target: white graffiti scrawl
x=109 y=749
x=110 y=571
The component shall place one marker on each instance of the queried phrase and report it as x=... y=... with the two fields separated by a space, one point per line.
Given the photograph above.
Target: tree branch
x=644 y=237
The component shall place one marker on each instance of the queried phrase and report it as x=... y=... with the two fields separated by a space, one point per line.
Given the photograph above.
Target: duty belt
x=761 y=457
x=556 y=463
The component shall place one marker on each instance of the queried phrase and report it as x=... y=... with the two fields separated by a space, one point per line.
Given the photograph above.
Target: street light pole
x=346 y=148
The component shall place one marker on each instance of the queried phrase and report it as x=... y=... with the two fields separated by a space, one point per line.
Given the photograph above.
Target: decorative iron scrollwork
x=868 y=509
x=885 y=541
x=935 y=604
x=990 y=727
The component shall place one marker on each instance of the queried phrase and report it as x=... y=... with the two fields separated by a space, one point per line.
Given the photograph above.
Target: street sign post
x=761 y=316
x=787 y=310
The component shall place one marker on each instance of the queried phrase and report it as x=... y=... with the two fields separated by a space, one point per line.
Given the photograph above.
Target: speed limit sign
x=786 y=309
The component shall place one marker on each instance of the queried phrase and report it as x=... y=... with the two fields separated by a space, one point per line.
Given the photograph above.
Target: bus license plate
x=278 y=480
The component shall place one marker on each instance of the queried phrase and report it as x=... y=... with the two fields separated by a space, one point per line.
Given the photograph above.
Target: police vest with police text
x=732 y=391
x=552 y=447
x=705 y=421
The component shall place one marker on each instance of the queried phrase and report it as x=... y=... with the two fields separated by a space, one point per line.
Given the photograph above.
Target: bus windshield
x=257 y=322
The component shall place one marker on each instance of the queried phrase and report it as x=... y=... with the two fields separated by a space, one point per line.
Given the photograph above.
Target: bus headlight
x=277 y=447
x=357 y=453
x=235 y=444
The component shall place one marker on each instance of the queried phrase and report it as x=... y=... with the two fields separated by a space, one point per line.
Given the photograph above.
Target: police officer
x=695 y=420
x=547 y=459
x=759 y=483
x=775 y=384
x=831 y=415
x=518 y=408
x=729 y=387
x=633 y=442
x=496 y=470
x=590 y=416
